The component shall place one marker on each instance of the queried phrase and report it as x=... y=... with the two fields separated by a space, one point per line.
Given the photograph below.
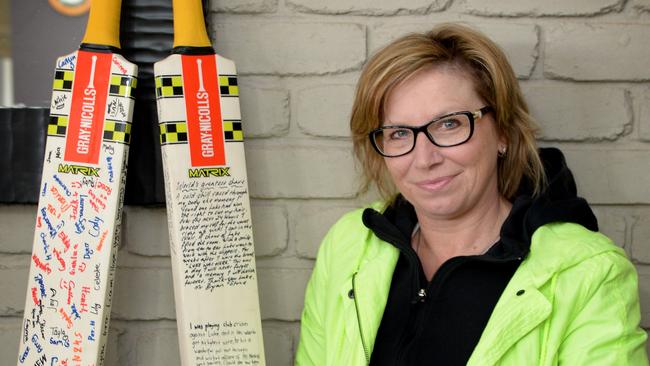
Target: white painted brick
x=17 y=224
x=146 y=231
x=325 y=110
x=9 y=340
x=518 y=41
x=278 y=345
x=536 y=7
x=281 y=292
x=270 y=229
x=310 y=224
x=13 y=282
x=112 y=348
x=291 y=48
x=244 y=6
x=641 y=238
x=367 y=7
x=579 y=112
x=154 y=343
x=642 y=5
x=644 y=115
x=300 y=172
x=143 y=294
x=265 y=112
x=611 y=176
x=611 y=223
x=597 y=52
x=644 y=294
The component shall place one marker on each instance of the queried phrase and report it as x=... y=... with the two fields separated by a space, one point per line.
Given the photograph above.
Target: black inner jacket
x=442 y=324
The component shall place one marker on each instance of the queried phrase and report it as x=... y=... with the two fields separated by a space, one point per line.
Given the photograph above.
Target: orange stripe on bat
x=86 y=122
x=203 y=110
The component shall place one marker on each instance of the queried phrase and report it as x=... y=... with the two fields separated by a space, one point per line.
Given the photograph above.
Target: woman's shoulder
x=566 y=236
x=348 y=240
x=559 y=246
x=351 y=224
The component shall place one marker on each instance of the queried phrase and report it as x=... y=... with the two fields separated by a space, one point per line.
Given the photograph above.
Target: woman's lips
x=435 y=184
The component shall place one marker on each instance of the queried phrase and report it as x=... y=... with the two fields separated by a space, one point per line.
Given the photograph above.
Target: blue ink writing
x=87 y=251
x=48 y=223
x=38 y=346
x=109 y=161
x=75 y=312
x=96 y=226
x=46 y=247
x=65 y=188
x=68 y=60
x=91 y=336
x=41 y=284
x=24 y=355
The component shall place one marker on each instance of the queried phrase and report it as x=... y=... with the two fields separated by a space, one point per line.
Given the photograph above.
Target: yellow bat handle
x=104 y=23
x=189 y=24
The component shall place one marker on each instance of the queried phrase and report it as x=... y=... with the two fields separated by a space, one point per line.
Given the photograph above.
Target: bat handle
x=103 y=23
x=189 y=24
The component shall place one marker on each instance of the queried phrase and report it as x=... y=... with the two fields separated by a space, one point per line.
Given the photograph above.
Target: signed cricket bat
x=208 y=208
x=76 y=237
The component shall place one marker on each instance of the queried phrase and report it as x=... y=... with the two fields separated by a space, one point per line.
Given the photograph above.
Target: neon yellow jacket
x=572 y=301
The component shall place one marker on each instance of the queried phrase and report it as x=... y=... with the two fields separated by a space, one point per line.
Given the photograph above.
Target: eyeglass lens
x=451 y=130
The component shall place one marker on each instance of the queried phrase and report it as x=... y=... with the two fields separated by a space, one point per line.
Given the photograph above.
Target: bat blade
x=208 y=208
x=78 y=218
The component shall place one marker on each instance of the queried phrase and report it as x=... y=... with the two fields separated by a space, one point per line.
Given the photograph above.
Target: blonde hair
x=495 y=83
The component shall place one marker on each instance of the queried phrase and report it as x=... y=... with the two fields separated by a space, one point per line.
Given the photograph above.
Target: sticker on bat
x=203 y=110
x=86 y=122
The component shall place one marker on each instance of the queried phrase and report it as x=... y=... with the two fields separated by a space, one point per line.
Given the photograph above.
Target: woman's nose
x=425 y=153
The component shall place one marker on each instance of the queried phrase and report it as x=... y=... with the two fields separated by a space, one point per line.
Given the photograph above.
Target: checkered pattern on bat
x=123 y=86
x=173 y=132
x=228 y=86
x=169 y=86
x=63 y=80
x=232 y=131
x=117 y=131
x=57 y=125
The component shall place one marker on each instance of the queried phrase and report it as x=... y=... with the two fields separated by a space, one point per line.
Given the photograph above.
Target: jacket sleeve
x=605 y=331
x=311 y=348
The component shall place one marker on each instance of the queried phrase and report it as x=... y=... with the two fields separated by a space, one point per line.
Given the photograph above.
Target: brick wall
x=583 y=65
x=4 y=29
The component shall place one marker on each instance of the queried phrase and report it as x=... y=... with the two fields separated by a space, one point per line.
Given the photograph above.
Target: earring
x=502 y=151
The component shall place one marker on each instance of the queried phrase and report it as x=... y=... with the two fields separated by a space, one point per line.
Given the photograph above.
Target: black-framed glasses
x=452 y=129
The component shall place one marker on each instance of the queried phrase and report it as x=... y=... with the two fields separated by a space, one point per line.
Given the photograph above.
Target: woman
x=480 y=253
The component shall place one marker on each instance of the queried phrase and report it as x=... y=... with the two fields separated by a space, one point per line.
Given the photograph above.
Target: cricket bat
x=73 y=261
x=208 y=208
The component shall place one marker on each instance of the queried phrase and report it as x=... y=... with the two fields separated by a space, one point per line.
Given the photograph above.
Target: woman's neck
x=473 y=233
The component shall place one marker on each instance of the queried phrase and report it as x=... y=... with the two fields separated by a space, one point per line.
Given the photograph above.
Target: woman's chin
x=441 y=208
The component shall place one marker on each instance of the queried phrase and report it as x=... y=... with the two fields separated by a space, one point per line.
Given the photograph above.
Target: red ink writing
x=66 y=241
x=45 y=267
x=60 y=259
x=101 y=241
x=66 y=317
x=34 y=297
x=85 y=291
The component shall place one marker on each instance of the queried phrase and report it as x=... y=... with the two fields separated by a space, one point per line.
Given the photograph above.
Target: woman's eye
x=400 y=134
x=449 y=124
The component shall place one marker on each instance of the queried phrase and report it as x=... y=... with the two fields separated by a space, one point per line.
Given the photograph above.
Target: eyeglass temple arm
x=478 y=114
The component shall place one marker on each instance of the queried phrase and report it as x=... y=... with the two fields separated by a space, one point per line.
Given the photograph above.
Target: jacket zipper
x=412 y=257
x=430 y=293
x=356 y=307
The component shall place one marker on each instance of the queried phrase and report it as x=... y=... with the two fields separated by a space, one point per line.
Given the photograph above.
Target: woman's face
x=447 y=182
